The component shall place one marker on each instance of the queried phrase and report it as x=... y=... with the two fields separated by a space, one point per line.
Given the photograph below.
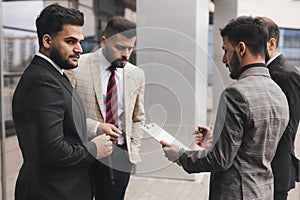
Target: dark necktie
x=112 y=99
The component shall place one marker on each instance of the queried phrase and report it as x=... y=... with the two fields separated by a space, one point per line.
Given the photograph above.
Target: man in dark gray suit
x=252 y=115
x=285 y=165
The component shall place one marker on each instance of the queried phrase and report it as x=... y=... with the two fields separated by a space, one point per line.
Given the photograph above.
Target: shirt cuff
x=95 y=130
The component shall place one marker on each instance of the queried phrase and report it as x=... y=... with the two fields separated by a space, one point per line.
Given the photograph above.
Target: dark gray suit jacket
x=285 y=165
x=51 y=129
x=252 y=115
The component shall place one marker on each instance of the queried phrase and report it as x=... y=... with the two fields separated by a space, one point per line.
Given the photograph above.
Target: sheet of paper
x=159 y=134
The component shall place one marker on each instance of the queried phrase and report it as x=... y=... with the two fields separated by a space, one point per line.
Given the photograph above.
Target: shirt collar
x=270 y=60
x=250 y=66
x=52 y=63
x=104 y=63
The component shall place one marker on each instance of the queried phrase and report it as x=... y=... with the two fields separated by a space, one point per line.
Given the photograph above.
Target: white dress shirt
x=105 y=74
x=270 y=60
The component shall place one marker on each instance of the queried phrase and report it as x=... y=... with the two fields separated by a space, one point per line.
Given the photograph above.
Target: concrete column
x=172 y=40
x=224 y=11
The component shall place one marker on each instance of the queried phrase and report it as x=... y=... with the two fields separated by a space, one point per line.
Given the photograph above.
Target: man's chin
x=119 y=64
x=69 y=66
x=122 y=65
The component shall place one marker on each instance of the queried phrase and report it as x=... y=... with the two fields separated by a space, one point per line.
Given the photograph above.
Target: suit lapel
x=66 y=83
x=54 y=72
x=94 y=65
x=276 y=63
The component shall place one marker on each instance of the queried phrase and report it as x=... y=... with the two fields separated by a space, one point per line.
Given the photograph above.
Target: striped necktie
x=112 y=99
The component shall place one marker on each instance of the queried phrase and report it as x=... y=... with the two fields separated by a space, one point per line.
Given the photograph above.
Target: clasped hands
x=106 y=140
x=203 y=138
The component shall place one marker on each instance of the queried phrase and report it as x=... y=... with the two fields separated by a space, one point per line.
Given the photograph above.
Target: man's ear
x=272 y=43
x=102 y=41
x=241 y=48
x=46 y=41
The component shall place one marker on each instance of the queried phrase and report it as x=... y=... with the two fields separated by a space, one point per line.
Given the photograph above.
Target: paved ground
x=165 y=189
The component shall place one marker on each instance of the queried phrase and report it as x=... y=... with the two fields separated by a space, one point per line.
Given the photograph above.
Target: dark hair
x=52 y=19
x=120 y=25
x=248 y=30
x=273 y=29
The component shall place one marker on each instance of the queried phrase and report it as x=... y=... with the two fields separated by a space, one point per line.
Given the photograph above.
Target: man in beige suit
x=91 y=81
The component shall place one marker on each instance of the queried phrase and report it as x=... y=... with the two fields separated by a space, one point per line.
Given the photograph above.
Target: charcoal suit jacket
x=51 y=128
x=252 y=115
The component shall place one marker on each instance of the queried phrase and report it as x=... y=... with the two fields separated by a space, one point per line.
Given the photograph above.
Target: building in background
x=19 y=43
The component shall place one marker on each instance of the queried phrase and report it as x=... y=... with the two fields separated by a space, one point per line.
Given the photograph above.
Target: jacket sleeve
x=291 y=88
x=228 y=134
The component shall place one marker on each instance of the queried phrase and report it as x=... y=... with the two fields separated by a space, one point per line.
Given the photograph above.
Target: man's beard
x=55 y=55
x=235 y=63
x=122 y=64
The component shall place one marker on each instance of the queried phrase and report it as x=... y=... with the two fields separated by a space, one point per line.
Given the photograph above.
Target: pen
x=200 y=130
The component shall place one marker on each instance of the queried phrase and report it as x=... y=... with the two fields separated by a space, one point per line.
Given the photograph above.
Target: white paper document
x=159 y=134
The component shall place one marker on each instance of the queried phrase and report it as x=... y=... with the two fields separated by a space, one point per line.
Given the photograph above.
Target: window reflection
x=20 y=44
x=289 y=44
x=19 y=47
x=10 y=83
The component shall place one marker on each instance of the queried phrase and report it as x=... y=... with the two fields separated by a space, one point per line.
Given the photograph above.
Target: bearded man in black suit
x=285 y=165
x=49 y=116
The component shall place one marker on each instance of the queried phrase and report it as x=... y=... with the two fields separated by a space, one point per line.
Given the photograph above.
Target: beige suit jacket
x=87 y=81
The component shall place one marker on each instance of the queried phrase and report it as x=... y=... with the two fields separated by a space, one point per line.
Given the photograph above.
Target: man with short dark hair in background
x=285 y=165
x=112 y=90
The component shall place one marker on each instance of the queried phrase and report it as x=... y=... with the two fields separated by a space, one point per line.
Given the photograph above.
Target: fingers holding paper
x=171 y=150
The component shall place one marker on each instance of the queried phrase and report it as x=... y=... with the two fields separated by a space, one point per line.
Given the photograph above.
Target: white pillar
x=172 y=38
x=224 y=11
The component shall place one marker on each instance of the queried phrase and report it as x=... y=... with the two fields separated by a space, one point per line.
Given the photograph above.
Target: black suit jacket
x=285 y=165
x=51 y=129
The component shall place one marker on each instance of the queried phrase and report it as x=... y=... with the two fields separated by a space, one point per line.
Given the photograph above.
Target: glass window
x=20 y=44
x=289 y=45
x=19 y=47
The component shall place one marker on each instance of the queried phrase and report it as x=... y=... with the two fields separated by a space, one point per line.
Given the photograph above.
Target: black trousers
x=280 y=195
x=112 y=175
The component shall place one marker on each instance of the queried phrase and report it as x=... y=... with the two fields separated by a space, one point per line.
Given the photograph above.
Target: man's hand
x=171 y=151
x=110 y=130
x=204 y=137
x=104 y=145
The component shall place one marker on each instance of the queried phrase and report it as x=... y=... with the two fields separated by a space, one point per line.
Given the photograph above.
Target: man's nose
x=224 y=59
x=78 y=48
x=126 y=52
